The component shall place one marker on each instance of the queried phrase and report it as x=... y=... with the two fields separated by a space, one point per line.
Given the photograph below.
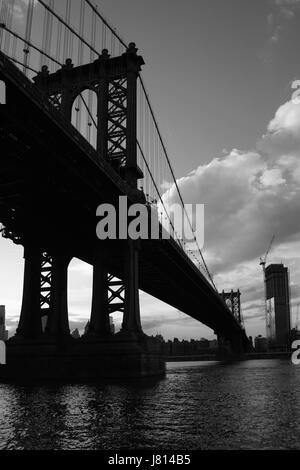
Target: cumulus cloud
x=248 y=196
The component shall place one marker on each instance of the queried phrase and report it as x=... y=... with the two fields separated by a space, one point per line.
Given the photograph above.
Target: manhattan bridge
x=77 y=129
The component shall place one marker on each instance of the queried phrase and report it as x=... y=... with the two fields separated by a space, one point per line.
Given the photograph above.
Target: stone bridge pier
x=231 y=348
x=51 y=352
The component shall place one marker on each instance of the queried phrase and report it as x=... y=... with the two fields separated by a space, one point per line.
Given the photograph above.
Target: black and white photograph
x=149 y=229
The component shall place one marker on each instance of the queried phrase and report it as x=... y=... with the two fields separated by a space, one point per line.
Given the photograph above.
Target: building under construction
x=278 y=306
x=3 y=331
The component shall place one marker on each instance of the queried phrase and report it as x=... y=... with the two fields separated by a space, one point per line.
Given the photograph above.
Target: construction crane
x=263 y=262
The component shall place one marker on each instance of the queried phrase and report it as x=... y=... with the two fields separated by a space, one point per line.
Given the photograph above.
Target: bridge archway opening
x=11 y=281
x=116 y=299
x=85 y=115
x=2 y=92
x=80 y=282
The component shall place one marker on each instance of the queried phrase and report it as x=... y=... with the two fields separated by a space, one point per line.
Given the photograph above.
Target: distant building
x=261 y=344
x=188 y=348
x=86 y=328
x=213 y=344
x=177 y=348
x=3 y=331
x=44 y=322
x=75 y=334
x=168 y=348
x=159 y=338
x=203 y=343
x=295 y=334
x=278 y=304
x=112 y=326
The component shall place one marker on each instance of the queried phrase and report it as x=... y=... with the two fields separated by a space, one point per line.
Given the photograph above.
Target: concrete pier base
x=84 y=359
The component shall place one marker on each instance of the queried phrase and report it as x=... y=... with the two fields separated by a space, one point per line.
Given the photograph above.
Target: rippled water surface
x=246 y=405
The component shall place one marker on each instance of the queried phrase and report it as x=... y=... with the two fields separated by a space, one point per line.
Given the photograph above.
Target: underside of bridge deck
x=51 y=183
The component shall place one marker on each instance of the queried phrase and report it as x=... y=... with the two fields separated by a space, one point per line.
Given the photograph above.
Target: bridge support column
x=30 y=324
x=99 y=321
x=230 y=348
x=58 y=322
x=132 y=317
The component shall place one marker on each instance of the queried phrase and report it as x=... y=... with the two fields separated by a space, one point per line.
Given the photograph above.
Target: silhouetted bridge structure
x=52 y=179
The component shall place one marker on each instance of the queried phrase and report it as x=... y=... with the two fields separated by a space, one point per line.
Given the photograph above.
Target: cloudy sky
x=219 y=73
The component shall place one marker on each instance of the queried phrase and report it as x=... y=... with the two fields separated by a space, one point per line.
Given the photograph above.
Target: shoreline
x=244 y=357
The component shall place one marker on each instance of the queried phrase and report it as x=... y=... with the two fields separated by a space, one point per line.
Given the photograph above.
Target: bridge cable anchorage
x=173 y=176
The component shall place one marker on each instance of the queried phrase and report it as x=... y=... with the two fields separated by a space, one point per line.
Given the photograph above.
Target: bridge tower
x=114 y=80
x=232 y=345
x=43 y=346
x=233 y=301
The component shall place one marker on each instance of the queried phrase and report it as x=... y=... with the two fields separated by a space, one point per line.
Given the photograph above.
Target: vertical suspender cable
x=80 y=62
x=43 y=60
x=49 y=32
x=47 y=35
x=3 y=20
x=58 y=41
x=90 y=92
x=67 y=31
x=8 y=22
x=28 y=31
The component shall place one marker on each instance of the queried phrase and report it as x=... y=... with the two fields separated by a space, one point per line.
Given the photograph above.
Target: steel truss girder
x=117 y=122
x=116 y=293
x=45 y=284
x=233 y=301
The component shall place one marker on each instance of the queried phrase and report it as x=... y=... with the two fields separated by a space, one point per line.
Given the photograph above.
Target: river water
x=198 y=405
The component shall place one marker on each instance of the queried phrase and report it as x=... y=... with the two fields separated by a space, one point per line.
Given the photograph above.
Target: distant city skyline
x=222 y=94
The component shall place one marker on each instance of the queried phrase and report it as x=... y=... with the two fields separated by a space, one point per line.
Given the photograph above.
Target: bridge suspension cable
x=159 y=178
x=105 y=22
x=29 y=44
x=18 y=62
x=28 y=33
x=173 y=176
x=68 y=27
